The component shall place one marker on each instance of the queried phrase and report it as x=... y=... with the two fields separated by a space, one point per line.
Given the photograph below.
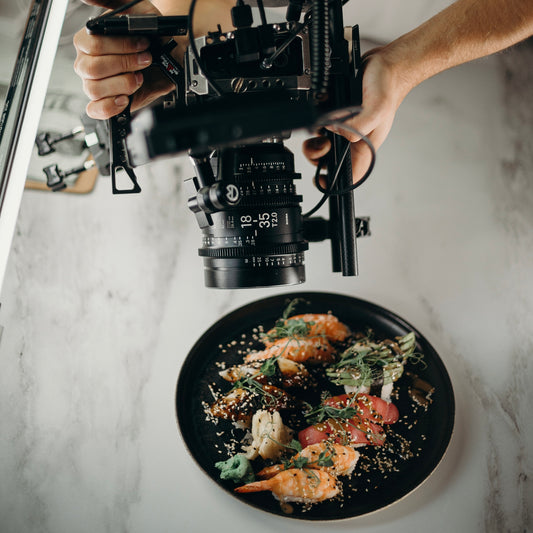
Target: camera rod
x=341 y=206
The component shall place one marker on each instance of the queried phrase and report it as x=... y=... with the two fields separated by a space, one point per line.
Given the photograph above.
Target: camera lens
x=258 y=242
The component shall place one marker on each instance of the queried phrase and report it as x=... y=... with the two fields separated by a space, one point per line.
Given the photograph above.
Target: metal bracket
x=119 y=127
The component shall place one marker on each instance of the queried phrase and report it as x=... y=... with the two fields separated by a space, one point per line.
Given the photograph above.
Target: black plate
x=429 y=431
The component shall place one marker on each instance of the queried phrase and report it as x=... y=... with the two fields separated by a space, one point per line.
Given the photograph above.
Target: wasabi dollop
x=237 y=469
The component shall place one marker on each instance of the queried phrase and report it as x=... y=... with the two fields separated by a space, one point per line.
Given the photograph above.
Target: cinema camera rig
x=238 y=96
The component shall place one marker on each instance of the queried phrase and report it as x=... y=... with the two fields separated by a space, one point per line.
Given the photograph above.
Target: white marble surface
x=104 y=297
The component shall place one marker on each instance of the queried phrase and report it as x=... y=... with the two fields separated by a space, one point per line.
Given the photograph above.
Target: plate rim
x=382 y=312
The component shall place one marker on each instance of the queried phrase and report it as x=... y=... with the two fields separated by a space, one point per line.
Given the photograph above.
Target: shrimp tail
x=255 y=486
x=270 y=471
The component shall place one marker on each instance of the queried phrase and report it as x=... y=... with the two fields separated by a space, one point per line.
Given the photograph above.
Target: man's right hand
x=114 y=67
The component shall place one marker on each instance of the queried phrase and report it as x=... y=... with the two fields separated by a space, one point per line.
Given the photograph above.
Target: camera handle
x=118 y=128
x=119 y=125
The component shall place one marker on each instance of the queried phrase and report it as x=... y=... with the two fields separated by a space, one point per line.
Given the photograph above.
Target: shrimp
x=342 y=460
x=295 y=485
x=326 y=325
x=305 y=349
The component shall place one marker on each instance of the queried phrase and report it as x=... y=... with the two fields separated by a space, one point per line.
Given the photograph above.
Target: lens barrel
x=260 y=241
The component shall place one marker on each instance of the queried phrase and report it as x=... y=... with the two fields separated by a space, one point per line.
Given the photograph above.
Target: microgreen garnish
x=291 y=306
x=295 y=445
x=324 y=458
x=366 y=361
x=268 y=368
x=297 y=462
x=323 y=412
x=291 y=328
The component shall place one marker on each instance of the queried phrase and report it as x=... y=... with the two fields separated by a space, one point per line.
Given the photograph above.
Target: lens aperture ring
x=271 y=201
x=248 y=251
x=266 y=176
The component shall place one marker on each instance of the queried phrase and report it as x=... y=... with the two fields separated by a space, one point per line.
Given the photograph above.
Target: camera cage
x=252 y=85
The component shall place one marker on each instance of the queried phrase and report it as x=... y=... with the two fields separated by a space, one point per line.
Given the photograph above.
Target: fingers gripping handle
x=145 y=25
x=118 y=126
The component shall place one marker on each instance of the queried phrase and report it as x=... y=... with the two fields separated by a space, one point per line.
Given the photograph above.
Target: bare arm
x=466 y=30
x=207 y=14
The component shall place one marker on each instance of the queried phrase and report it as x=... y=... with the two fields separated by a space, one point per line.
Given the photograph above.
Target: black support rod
x=341 y=207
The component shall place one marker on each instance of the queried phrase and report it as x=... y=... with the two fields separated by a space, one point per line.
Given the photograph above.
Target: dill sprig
x=367 y=362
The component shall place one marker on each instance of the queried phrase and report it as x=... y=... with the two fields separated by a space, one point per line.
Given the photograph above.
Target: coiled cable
x=319 y=48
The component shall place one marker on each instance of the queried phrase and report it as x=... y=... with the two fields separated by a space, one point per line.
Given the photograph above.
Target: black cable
x=195 y=53
x=319 y=48
x=341 y=123
x=370 y=168
x=329 y=192
x=325 y=192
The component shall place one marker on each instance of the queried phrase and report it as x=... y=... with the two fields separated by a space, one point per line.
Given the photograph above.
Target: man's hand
x=114 y=67
x=465 y=30
x=382 y=94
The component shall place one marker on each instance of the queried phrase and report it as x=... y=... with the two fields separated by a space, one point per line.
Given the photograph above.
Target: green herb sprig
x=291 y=328
x=323 y=412
x=367 y=361
x=324 y=458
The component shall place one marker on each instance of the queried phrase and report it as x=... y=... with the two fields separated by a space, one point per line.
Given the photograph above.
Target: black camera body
x=239 y=95
x=241 y=63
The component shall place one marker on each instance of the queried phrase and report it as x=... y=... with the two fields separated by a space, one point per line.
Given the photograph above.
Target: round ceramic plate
x=425 y=431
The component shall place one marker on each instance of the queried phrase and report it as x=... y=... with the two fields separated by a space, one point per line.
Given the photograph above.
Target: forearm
x=207 y=15
x=466 y=30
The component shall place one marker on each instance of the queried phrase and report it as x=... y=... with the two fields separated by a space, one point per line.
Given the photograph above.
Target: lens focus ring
x=247 y=251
